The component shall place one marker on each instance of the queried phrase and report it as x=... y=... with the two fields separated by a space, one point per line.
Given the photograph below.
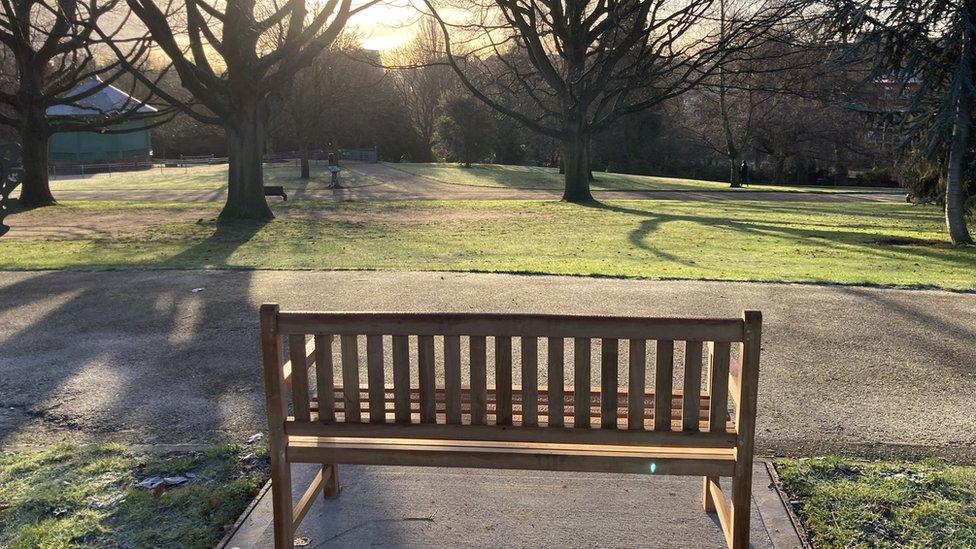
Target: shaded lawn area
x=851 y=243
x=844 y=503
x=536 y=177
x=85 y=496
x=208 y=178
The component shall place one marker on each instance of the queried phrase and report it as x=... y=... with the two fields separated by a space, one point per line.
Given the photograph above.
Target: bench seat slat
x=467 y=409
x=583 y=401
x=511 y=455
x=530 y=380
x=555 y=360
x=519 y=432
x=401 y=379
x=503 y=380
x=349 y=345
x=692 y=382
x=452 y=378
x=324 y=377
x=542 y=398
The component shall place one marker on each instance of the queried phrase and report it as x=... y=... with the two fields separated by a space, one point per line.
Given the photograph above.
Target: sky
x=385 y=26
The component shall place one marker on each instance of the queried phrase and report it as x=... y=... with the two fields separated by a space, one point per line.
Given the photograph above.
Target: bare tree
x=587 y=64
x=240 y=52
x=422 y=79
x=309 y=103
x=51 y=59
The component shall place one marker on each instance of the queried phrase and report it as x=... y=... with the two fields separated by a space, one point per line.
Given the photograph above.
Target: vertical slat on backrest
x=452 y=379
x=555 y=373
x=637 y=380
x=530 y=381
x=427 y=378
x=581 y=382
x=374 y=376
x=692 y=387
x=663 y=385
x=401 y=379
x=718 y=384
x=503 y=380
x=299 y=376
x=323 y=378
x=350 y=377
x=608 y=383
x=479 y=379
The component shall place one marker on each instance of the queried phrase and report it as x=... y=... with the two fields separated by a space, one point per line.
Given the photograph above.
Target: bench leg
x=707 y=502
x=281 y=503
x=741 y=504
x=330 y=471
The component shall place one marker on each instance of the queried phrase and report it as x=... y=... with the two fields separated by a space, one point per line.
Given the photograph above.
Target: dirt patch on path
x=59 y=223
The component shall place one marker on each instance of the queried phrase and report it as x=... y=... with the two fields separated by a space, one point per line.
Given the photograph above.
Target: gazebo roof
x=108 y=100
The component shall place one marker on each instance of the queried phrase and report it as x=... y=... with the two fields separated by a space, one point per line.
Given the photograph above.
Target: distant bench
x=467 y=422
x=275 y=190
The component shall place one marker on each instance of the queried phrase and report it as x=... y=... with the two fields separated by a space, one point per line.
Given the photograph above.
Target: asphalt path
x=172 y=357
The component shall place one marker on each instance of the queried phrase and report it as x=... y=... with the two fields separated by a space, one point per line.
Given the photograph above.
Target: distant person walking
x=744 y=173
x=335 y=169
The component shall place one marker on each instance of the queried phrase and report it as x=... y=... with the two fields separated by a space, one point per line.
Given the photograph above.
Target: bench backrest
x=469 y=405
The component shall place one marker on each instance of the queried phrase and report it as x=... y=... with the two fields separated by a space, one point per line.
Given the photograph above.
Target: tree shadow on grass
x=216 y=249
x=865 y=243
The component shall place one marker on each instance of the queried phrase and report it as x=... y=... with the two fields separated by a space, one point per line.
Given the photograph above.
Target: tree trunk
x=779 y=174
x=577 y=166
x=35 y=189
x=303 y=152
x=730 y=149
x=245 y=178
x=955 y=208
x=735 y=176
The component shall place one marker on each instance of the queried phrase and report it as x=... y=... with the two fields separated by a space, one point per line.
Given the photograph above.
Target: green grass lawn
x=847 y=504
x=849 y=243
x=534 y=177
x=85 y=496
x=207 y=178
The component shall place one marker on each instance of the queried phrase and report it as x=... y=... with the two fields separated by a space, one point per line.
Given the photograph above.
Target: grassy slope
x=728 y=240
x=534 y=177
x=69 y=496
x=883 y=504
x=206 y=178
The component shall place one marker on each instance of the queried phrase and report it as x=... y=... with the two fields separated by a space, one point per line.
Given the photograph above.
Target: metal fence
x=360 y=155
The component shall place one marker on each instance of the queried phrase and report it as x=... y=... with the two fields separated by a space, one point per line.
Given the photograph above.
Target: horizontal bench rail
x=510 y=325
x=512 y=455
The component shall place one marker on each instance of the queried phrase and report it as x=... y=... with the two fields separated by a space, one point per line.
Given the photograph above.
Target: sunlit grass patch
x=844 y=503
x=85 y=496
x=537 y=177
x=873 y=243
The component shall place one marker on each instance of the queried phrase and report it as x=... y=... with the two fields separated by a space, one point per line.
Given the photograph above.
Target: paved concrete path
x=420 y=507
x=138 y=356
x=396 y=184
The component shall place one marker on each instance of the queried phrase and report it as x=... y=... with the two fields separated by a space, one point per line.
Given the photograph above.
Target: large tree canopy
x=235 y=55
x=51 y=57
x=578 y=66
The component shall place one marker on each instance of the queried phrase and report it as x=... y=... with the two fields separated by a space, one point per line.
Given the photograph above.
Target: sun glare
x=385 y=26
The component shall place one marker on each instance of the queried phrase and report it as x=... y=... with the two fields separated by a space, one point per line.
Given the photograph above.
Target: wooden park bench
x=275 y=190
x=456 y=417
